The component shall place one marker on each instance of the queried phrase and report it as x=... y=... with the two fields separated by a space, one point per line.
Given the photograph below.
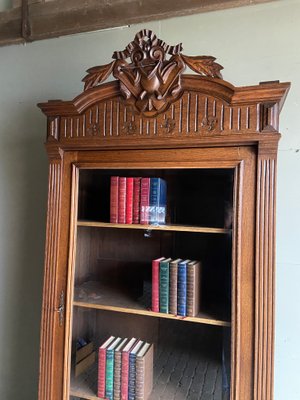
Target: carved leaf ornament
x=150 y=82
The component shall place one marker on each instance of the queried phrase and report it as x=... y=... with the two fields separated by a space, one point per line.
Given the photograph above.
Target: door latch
x=61 y=308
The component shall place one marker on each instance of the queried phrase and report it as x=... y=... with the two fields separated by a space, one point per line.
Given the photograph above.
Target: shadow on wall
x=23 y=194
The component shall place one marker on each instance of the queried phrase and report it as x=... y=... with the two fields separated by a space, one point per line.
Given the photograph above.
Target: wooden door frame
x=244 y=165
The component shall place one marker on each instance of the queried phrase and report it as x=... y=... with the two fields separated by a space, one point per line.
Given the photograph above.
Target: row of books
x=125 y=369
x=136 y=200
x=176 y=286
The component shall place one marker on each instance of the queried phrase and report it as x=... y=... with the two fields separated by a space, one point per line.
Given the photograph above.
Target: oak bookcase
x=216 y=146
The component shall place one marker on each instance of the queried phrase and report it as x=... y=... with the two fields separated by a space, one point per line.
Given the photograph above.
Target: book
x=173 y=286
x=144 y=204
x=182 y=287
x=164 y=281
x=132 y=370
x=193 y=288
x=114 y=199
x=144 y=372
x=157 y=201
x=136 y=199
x=129 y=200
x=117 y=369
x=122 y=200
x=125 y=368
x=155 y=283
x=102 y=366
x=109 y=371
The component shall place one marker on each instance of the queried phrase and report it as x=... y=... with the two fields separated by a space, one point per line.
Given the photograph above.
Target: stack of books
x=125 y=369
x=136 y=200
x=176 y=286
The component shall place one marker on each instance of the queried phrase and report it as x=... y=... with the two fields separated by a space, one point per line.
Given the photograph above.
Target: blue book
x=132 y=370
x=182 y=288
x=157 y=201
x=109 y=372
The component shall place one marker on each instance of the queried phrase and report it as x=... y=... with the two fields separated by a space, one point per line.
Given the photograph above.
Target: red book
x=136 y=200
x=155 y=284
x=129 y=200
x=145 y=194
x=102 y=367
x=122 y=200
x=125 y=368
x=114 y=195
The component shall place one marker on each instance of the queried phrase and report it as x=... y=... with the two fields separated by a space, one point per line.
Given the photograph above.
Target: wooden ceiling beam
x=48 y=19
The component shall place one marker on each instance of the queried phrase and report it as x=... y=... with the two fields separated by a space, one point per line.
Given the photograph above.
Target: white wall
x=5 y=4
x=254 y=44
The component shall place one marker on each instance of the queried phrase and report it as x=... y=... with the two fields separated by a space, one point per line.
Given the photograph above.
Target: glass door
x=113 y=282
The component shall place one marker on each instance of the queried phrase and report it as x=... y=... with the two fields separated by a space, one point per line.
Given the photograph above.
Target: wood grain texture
x=68 y=274
x=211 y=125
x=214 y=87
x=210 y=112
x=50 y=302
x=128 y=308
x=265 y=279
x=64 y=17
x=151 y=81
x=174 y=228
x=193 y=115
x=92 y=295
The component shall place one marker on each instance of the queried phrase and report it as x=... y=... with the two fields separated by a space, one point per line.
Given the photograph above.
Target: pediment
x=151 y=97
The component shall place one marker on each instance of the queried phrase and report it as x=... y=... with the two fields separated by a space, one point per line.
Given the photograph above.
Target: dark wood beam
x=63 y=17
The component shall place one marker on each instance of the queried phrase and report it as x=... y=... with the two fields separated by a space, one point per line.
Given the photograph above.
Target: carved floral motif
x=168 y=125
x=94 y=130
x=209 y=123
x=151 y=82
x=130 y=127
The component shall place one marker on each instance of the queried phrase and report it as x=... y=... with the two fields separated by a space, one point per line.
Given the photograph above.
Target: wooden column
x=265 y=272
x=51 y=301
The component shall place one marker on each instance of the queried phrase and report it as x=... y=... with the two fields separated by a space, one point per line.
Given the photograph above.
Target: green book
x=109 y=373
x=164 y=282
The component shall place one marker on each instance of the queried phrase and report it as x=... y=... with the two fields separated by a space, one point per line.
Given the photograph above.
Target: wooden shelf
x=93 y=295
x=175 y=228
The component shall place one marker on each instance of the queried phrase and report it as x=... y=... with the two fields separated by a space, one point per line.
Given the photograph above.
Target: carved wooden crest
x=150 y=82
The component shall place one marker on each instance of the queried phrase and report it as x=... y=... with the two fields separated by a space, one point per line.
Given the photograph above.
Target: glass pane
x=113 y=290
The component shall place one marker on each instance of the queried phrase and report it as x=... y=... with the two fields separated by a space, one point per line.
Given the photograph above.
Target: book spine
x=140 y=379
x=124 y=376
x=114 y=202
x=101 y=372
x=182 y=286
x=109 y=374
x=145 y=192
x=144 y=375
x=155 y=286
x=158 y=201
x=122 y=201
x=129 y=200
x=161 y=210
x=136 y=200
x=153 y=199
x=164 y=281
x=193 y=289
x=131 y=379
x=117 y=375
x=173 y=288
